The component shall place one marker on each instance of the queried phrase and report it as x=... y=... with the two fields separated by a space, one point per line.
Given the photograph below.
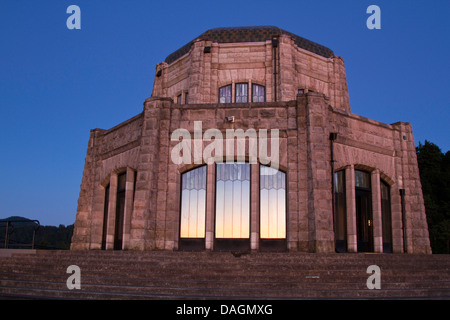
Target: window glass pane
x=193 y=203
x=241 y=92
x=225 y=94
x=362 y=179
x=340 y=205
x=258 y=93
x=233 y=200
x=386 y=217
x=121 y=182
x=272 y=203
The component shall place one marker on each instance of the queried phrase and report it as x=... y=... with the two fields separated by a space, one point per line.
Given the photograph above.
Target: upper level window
x=241 y=92
x=179 y=99
x=225 y=94
x=258 y=93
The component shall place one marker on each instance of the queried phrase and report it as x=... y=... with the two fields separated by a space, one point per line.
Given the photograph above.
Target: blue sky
x=56 y=84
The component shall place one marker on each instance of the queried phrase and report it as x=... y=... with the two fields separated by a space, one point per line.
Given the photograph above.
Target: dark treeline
x=434 y=167
x=20 y=235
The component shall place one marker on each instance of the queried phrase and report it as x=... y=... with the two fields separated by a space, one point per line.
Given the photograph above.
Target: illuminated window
x=193 y=203
x=272 y=203
x=233 y=200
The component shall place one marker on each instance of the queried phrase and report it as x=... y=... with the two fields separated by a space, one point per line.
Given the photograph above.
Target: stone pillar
x=147 y=223
x=299 y=160
x=397 y=226
x=87 y=233
x=210 y=206
x=320 y=208
x=254 y=207
x=351 y=209
x=377 y=225
x=129 y=195
x=111 y=211
x=417 y=237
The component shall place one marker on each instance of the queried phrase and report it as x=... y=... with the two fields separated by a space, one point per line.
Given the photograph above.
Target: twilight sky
x=56 y=84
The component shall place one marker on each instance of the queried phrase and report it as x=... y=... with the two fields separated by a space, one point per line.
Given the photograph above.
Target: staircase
x=220 y=275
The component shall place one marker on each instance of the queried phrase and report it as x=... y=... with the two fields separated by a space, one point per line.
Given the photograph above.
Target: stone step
x=331 y=262
x=118 y=292
x=211 y=275
x=230 y=282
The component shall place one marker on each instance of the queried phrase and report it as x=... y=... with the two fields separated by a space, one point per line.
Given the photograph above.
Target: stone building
x=329 y=180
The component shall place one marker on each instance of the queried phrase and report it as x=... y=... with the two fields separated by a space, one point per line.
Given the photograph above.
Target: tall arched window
x=105 y=217
x=233 y=200
x=364 y=220
x=272 y=203
x=193 y=207
x=386 y=217
x=340 y=212
x=120 y=211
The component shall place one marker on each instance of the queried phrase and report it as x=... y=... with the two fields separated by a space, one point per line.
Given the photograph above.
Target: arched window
x=225 y=94
x=233 y=200
x=340 y=212
x=105 y=217
x=386 y=217
x=258 y=93
x=364 y=220
x=193 y=203
x=272 y=203
x=241 y=92
x=120 y=211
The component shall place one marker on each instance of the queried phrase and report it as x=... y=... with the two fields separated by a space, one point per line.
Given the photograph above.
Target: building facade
x=248 y=143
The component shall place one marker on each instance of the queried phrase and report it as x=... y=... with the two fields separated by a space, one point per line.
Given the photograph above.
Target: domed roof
x=250 y=34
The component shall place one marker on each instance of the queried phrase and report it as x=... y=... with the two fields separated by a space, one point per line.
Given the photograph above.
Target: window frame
x=230 y=96
x=181 y=203
x=284 y=176
x=236 y=92
x=253 y=92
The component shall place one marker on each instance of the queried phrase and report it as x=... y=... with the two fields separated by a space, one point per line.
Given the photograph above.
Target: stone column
x=351 y=208
x=210 y=207
x=254 y=207
x=129 y=195
x=111 y=211
x=320 y=209
x=377 y=225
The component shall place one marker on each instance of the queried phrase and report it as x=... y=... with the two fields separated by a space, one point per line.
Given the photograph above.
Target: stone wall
x=142 y=147
x=202 y=74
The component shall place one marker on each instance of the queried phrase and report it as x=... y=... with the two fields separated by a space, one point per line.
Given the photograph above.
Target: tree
x=434 y=168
